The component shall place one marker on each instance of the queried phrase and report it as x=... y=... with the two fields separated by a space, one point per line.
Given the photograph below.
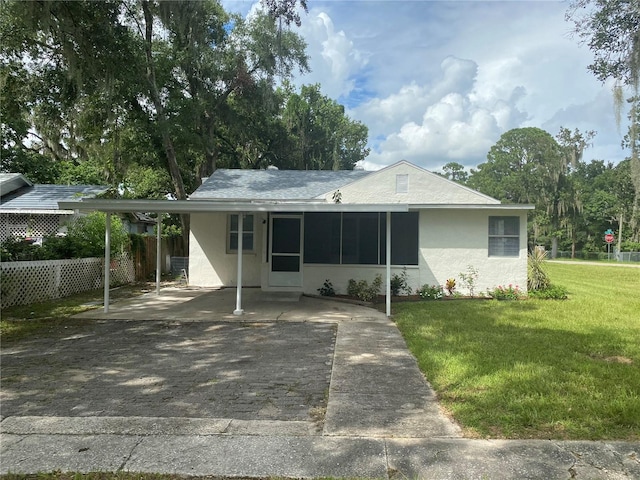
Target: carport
x=159 y=207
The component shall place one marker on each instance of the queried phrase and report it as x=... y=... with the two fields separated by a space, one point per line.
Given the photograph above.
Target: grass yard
x=537 y=368
x=23 y=320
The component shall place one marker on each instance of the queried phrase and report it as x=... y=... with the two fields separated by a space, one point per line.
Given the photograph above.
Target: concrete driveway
x=295 y=388
x=290 y=364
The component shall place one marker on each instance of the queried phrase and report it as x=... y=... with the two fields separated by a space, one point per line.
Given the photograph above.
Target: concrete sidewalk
x=187 y=388
x=29 y=449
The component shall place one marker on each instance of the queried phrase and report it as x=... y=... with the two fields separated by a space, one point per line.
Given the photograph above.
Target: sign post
x=609 y=238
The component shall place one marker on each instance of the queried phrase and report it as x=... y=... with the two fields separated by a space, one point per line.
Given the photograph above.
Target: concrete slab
x=292 y=457
x=386 y=415
x=153 y=426
x=508 y=459
x=67 y=453
x=206 y=304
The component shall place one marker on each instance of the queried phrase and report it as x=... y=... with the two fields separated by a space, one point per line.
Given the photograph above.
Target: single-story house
x=30 y=210
x=438 y=229
x=296 y=229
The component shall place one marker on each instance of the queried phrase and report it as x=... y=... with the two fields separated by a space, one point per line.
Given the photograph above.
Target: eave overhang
x=203 y=206
x=471 y=206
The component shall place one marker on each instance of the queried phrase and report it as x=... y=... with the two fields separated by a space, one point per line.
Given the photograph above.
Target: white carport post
x=158 y=252
x=388 y=264
x=238 y=310
x=107 y=260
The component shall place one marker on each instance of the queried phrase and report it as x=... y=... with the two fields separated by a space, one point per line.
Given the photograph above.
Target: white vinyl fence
x=24 y=283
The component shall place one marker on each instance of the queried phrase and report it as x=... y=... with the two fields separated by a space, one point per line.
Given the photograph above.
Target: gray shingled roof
x=45 y=197
x=235 y=184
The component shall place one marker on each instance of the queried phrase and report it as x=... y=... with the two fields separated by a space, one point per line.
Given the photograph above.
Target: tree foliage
x=109 y=91
x=611 y=29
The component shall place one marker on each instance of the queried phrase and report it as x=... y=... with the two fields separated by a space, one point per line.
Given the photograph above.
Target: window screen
x=504 y=236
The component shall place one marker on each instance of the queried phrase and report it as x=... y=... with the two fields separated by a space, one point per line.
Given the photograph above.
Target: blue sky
x=440 y=81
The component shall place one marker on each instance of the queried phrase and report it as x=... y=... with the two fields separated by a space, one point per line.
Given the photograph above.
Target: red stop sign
x=609 y=238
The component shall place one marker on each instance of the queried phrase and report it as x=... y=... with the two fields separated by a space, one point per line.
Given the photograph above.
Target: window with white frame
x=504 y=236
x=247 y=233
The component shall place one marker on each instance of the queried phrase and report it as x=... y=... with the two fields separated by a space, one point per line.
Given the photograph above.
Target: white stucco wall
x=424 y=188
x=209 y=263
x=451 y=240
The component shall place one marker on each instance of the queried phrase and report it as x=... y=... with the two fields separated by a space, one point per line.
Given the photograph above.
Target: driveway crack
x=133 y=449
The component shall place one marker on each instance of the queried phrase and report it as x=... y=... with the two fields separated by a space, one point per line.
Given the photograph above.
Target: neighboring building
x=139 y=223
x=303 y=227
x=31 y=211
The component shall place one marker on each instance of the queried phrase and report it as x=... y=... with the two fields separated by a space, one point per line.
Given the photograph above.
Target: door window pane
x=285 y=264
x=286 y=235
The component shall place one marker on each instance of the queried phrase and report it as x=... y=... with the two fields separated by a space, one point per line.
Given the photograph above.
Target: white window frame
x=503 y=236
x=244 y=232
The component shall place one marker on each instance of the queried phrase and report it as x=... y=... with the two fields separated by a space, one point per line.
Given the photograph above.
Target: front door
x=286 y=251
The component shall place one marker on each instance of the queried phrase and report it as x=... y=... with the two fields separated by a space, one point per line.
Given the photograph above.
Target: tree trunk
x=167 y=142
x=554 y=247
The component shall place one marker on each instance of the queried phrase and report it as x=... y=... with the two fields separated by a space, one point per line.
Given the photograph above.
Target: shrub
x=400 y=284
x=551 y=292
x=431 y=292
x=537 y=278
x=326 y=290
x=450 y=286
x=87 y=235
x=363 y=291
x=469 y=278
x=506 y=293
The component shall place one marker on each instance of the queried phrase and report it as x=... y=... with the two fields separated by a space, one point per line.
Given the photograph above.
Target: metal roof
x=202 y=206
x=236 y=184
x=12 y=181
x=42 y=198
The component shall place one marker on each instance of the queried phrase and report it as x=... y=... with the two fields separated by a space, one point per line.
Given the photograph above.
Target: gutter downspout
x=238 y=310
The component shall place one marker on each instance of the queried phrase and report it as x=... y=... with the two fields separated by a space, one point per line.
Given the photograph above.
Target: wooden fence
x=144 y=249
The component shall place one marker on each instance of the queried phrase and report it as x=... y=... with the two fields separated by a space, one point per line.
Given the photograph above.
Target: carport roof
x=202 y=206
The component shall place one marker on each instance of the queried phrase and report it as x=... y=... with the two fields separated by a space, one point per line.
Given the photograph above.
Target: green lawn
x=537 y=368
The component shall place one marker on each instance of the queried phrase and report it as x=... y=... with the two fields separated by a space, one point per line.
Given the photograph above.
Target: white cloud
x=441 y=81
x=446 y=121
x=333 y=59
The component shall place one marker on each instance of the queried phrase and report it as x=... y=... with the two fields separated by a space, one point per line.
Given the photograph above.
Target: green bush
x=363 y=291
x=400 y=284
x=551 y=292
x=537 y=278
x=326 y=290
x=86 y=235
x=85 y=238
x=506 y=293
x=431 y=292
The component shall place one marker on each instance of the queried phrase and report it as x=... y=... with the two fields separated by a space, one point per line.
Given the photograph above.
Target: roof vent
x=272 y=167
